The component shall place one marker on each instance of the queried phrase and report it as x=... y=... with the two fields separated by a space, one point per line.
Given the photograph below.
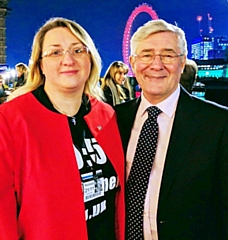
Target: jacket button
x=162 y=222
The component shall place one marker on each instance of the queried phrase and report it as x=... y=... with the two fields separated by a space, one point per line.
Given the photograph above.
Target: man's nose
x=157 y=62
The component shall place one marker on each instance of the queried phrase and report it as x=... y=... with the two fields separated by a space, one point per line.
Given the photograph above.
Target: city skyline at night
x=106 y=21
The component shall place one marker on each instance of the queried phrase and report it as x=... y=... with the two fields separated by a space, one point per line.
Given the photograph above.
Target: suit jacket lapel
x=185 y=122
x=181 y=139
x=126 y=116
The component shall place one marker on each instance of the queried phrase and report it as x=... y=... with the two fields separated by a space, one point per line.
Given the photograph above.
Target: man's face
x=158 y=80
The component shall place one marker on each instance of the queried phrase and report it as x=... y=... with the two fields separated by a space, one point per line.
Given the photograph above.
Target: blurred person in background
x=22 y=74
x=115 y=84
x=2 y=90
x=189 y=75
x=62 y=163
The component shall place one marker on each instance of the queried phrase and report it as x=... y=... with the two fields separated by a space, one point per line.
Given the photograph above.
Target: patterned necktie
x=138 y=180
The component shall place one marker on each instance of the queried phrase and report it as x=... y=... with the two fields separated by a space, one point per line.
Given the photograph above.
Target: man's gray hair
x=155 y=26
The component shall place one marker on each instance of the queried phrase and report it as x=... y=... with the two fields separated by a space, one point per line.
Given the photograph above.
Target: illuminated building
x=212 y=68
x=210 y=54
x=200 y=47
x=3 y=13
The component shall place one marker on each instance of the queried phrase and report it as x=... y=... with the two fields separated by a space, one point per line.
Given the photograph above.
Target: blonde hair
x=118 y=94
x=36 y=77
x=22 y=68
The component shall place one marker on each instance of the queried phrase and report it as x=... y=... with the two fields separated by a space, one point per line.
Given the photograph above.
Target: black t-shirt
x=98 y=177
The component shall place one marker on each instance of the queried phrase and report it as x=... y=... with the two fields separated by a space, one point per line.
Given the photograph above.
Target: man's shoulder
x=132 y=104
x=126 y=112
x=188 y=101
x=209 y=105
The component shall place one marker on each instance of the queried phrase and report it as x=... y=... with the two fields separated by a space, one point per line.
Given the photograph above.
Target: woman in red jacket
x=62 y=164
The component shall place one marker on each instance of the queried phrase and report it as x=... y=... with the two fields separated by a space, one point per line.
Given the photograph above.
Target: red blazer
x=40 y=186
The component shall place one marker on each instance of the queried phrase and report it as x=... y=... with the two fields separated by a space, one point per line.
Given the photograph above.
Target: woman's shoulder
x=107 y=89
x=100 y=111
x=18 y=104
x=95 y=103
x=18 y=99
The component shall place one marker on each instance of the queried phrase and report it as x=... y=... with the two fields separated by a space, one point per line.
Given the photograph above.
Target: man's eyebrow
x=162 y=50
x=148 y=50
x=168 y=50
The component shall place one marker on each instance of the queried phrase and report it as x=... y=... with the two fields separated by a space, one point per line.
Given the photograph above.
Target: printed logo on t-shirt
x=97 y=176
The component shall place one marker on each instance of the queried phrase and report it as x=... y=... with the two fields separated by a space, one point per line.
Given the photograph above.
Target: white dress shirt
x=165 y=122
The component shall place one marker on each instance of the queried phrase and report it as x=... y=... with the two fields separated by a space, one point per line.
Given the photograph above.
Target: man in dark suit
x=187 y=194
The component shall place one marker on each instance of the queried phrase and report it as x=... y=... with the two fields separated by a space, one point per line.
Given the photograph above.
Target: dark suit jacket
x=193 y=200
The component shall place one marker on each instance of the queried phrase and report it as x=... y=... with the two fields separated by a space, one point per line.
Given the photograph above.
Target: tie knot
x=153 y=112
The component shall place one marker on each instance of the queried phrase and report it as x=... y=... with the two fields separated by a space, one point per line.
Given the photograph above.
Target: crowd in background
x=116 y=85
x=7 y=87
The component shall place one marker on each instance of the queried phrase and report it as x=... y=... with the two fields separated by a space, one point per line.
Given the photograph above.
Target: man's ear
x=183 y=63
x=132 y=63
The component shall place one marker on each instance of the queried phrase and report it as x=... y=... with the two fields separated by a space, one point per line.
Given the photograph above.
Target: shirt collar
x=168 y=106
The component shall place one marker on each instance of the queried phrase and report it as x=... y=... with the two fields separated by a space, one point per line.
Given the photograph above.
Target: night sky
x=105 y=21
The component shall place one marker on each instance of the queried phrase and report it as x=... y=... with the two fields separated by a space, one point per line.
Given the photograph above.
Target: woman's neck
x=65 y=103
